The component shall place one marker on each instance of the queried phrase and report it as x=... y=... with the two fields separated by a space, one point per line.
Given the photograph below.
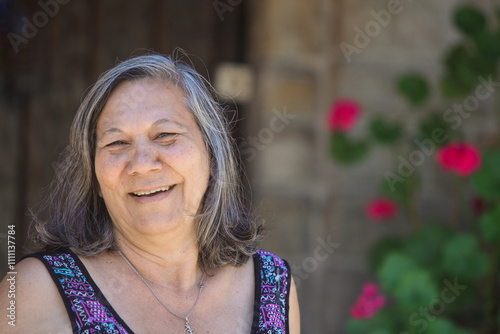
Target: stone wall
x=315 y=207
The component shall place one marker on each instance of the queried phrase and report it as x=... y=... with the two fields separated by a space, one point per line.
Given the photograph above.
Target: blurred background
x=285 y=63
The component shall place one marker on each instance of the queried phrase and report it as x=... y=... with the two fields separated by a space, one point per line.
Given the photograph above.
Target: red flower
x=369 y=303
x=381 y=208
x=343 y=115
x=461 y=158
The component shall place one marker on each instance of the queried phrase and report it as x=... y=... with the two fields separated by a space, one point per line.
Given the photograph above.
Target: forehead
x=143 y=100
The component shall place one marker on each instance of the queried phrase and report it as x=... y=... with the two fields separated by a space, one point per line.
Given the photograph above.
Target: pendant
x=187 y=328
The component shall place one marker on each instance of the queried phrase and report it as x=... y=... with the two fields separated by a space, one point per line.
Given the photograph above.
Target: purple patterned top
x=272 y=287
x=91 y=313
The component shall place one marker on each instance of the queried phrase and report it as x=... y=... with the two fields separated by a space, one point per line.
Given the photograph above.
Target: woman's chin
x=155 y=225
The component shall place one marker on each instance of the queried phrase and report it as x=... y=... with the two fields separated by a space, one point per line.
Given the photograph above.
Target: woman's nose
x=145 y=158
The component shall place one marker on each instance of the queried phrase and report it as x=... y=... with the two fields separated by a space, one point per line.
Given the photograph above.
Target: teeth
x=142 y=193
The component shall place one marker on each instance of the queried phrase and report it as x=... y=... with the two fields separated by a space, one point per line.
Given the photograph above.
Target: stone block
x=283 y=159
x=294 y=89
x=359 y=27
x=280 y=27
x=286 y=225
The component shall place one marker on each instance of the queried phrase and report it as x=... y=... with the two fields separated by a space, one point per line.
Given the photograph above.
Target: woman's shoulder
x=33 y=298
x=30 y=278
x=272 y=275
x=266 y=259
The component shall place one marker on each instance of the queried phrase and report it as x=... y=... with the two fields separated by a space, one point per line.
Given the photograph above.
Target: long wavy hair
x=73 y=215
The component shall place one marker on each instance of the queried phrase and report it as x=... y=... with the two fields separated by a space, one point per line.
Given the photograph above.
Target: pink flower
x=381 y=209
x=343 y=115
x=370 y=289
x=369 y=303
x=461 y=158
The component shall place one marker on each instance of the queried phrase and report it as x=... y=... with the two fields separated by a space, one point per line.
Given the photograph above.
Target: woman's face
x=151 y=162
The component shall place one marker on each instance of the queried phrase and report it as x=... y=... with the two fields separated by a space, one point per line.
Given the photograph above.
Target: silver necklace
x=187 y=328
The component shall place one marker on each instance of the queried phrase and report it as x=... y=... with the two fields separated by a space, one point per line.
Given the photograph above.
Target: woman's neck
x=168 y=262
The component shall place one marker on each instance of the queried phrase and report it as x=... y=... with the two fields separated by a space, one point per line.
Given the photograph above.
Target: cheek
x=106 y=173
x=203 y=175
x=194 y=164
x=100 y=170
x=201 y=165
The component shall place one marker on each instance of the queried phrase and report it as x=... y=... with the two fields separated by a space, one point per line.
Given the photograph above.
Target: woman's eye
x=166 y=138
x=166 y=135
x=116 y=143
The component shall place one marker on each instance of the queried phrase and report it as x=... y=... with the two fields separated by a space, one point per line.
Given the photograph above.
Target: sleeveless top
x=90 y=312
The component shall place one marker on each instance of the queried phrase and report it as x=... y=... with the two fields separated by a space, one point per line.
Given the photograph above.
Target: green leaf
x=371 y=326
x=490 y=225
x=382 y=323
x=393 y=268
x=469 y=20
x=463 y=258
x=461 y=298
x=414 y=87
x=442 y=325
x=358 y=326
x=415 y=288
x=463 y=68
x=347 y=150
x=382 y=248
x=455 y=57
x=454 y=88
x=432 y=124
x=488 y=44
x=425 y=246
x=385 y=132
x=401 y=192
x=486 y=182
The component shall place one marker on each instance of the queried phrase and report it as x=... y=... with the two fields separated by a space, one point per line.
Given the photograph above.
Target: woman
x=146 y=228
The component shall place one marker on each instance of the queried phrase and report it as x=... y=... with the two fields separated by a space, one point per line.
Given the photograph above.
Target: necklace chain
x=187 y=328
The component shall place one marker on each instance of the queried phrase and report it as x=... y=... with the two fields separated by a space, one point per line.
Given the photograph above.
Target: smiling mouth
x=152 y=192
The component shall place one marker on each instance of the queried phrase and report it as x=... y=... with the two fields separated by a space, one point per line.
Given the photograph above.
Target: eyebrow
x=165 y=120
x=157 y=123
x=111 y=130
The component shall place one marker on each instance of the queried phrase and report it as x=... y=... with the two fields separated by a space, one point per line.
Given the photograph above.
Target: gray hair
x=75 y=215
